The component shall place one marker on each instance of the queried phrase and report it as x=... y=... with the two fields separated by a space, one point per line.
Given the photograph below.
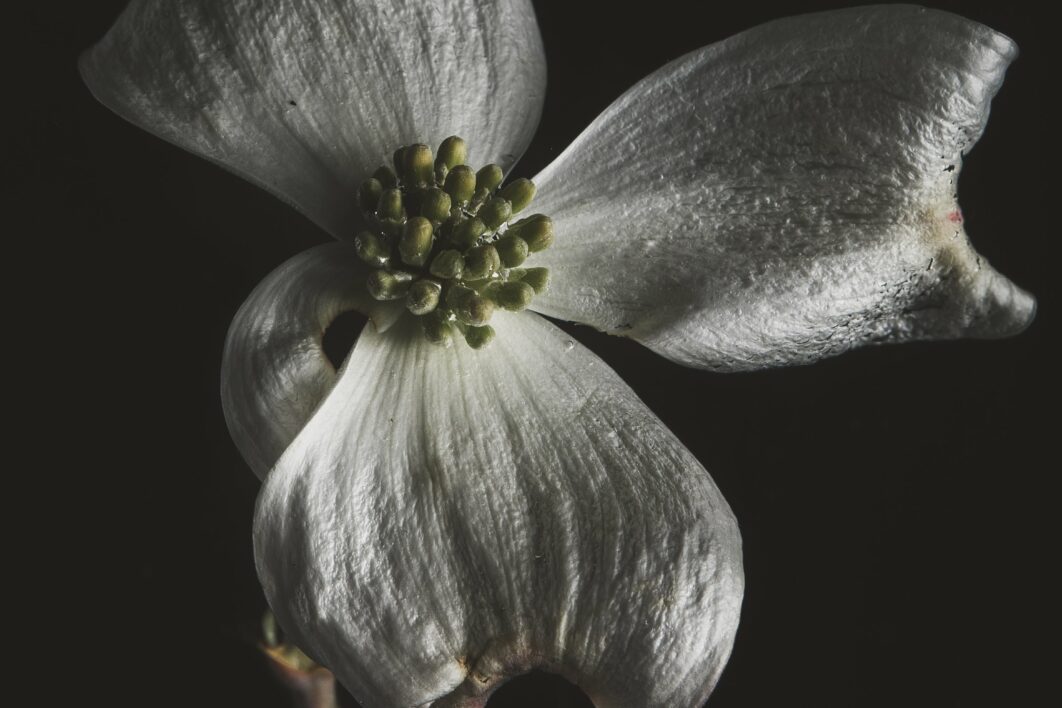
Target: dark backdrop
x=893 y=501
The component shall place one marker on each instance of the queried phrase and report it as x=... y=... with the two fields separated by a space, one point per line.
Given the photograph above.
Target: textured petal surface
x=451 y=518
x=785 y=195
x=307 y=98
x=274 y=371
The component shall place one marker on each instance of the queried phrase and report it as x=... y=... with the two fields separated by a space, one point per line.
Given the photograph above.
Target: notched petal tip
x=983 y=304
x=783 y=192
x=429 y=542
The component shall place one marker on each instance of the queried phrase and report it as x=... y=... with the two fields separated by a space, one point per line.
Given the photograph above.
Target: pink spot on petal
x=955 y=216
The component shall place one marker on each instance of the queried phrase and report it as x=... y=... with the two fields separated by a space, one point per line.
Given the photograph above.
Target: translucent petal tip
x=1002 y=308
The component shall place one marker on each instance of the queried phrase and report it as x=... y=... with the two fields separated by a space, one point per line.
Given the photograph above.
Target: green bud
x=489 y=177
x=537 y=230
x=415 y=243
x=495 y=212
x=371 y=248
x=449 y=264
x=537 y=278
x=369 y=194
x=419 y=165
x=385 y=176
x=512 y=250
x=520 y=193
x=452 y=152
x=390 y=206
x=479 y=337
x=481 y=262
x=514 y=295
x=437 y=329
x=423 y=296
x=461 y=184
x=385 y=285
x=435 y=204
x=467 y=233
x=474 y=309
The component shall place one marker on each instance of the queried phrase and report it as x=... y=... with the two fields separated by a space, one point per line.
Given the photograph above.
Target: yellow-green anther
x=461 y=184
x=452 y=152
x=489 y=177
x=515 y=295
x=385 y=285
x=474 y=309
x=435 y=204
x=537 y=230
x=520 y=193
x=386 y=176
x=419 y=165
x=512 y=250
x=467 y=233
x=449 y=265
x=479 y=337
x=369 y=194
x=423 y=296
x=437 y=329
x=390 y=206
x=481 y=262
x=415 y=242
x=495 y=212
x=537 y=278
x=371 y=248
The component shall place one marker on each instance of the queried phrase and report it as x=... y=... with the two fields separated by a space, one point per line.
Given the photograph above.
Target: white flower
x=434 y=521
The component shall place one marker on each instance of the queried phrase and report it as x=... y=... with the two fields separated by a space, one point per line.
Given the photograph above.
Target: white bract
x=434 y=521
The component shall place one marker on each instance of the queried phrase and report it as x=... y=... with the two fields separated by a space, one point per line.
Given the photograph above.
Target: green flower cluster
x=442 y=238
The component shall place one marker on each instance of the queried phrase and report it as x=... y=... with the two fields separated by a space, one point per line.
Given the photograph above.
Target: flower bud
x=449 y=265
x=435 y=204
x=461 y=184
x=489 y=177
x=512 y=250
x=452 y=152
x=481 y=262
x=386 y=285
x=519 y=193
x=415 y=243
x=423 y=296
x=495 y=212
x=371 y=249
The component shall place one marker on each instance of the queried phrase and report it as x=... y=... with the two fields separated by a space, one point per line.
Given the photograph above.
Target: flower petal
x=785 y=195
x=274 y=371
x=307 y=98
x=451 y=518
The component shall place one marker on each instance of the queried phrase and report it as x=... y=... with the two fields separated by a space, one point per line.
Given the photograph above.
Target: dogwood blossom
x=434 y=521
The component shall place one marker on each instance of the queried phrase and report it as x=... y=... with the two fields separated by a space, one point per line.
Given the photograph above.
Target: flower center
x=441 y=237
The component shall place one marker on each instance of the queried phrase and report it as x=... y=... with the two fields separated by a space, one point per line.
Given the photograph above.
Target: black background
x=894 y=501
